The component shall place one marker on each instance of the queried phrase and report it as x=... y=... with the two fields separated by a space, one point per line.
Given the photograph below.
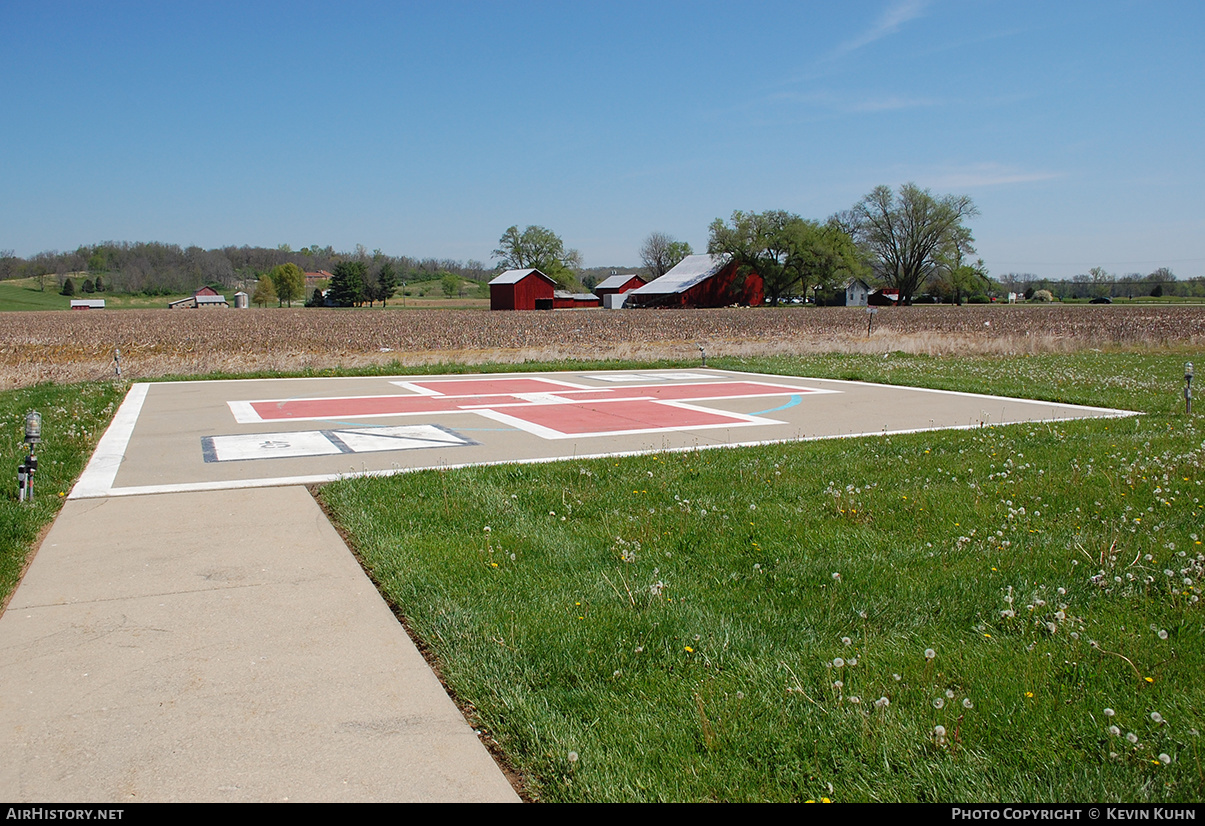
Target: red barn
x=700 y=281
x=522 y=290
x=618 y=284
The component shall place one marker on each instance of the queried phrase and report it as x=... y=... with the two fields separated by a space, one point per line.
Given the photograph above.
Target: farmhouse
x=527 y=289
x=700 y=281
x=857 y=293
x=317 y=280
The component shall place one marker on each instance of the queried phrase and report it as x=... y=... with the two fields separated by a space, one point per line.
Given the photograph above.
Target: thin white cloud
x=983 y=174
x=845 y=102
x=888 y=23
x=887 y=104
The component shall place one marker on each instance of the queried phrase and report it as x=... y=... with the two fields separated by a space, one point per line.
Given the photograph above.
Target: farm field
x=68 y=347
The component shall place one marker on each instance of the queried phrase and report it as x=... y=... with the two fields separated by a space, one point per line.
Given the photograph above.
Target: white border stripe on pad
x=100 y=474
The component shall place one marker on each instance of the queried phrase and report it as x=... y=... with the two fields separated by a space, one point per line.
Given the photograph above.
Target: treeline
x=1099 y=283
x=154 y=268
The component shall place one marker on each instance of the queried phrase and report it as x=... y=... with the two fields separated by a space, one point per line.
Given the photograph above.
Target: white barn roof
x=690 y=271
x=614 y=282
x=515 y=276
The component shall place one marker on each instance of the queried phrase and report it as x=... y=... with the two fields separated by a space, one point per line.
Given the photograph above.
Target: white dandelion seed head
x=838 y=662
x=1132 y=737
x=882 y=702
x=1162 y=634
x=572 y=757
x=1115 y=731
x=846 y=641
x=930 y=653
x=939 y=702
x=852 y=662
x=1109 y=712
x=1165 y=758
x=940 y=731
x=950 y=693
x=1156 y=717
x=967 y=704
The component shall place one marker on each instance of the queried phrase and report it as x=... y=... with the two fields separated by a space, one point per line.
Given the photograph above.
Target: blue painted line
x=794 y=400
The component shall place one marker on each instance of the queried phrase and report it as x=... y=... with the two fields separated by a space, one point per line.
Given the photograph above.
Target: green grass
x=73 y=417
x=25 y=294
x=668 y=627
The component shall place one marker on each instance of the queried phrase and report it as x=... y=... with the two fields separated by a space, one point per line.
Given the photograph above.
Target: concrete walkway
x=219 y=646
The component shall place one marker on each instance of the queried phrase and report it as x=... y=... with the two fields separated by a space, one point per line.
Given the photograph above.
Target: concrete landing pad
x=193 y=436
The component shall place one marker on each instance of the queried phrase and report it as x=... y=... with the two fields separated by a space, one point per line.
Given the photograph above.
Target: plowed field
x=75 y=346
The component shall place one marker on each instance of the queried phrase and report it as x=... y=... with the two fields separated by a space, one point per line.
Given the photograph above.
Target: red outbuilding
x=700 y=281
x=618 y=284
x=565 y=300
x=522 y=290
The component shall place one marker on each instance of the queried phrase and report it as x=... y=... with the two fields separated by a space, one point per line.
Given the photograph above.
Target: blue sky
x=427 y=128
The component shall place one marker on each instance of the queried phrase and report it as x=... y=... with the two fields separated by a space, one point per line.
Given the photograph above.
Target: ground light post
x=27 y=469
x=1188 y=387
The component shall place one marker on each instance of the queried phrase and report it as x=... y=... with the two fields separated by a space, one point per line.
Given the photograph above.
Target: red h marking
x=552 y=409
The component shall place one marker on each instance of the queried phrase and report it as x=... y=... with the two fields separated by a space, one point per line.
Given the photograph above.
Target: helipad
x=193 y=436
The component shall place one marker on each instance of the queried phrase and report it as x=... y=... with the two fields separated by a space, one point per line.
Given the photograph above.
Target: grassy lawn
x=73 y=418
x=25 y=294
x=932 y=617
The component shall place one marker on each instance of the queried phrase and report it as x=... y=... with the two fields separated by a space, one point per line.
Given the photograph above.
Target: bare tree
x=909 y=233
x=661 y=253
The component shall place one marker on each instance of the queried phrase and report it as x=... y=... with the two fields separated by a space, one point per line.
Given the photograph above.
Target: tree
x=347 y=283
x=289 y=281
x=788 y=252
x=909 y=232
x=539 y=248
x=825 y=255
x=661 y=253
x=68 y=288
x=958 y=280
x=759 y=242
x=449 y=284
x=387 y=282
x=265 y=292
